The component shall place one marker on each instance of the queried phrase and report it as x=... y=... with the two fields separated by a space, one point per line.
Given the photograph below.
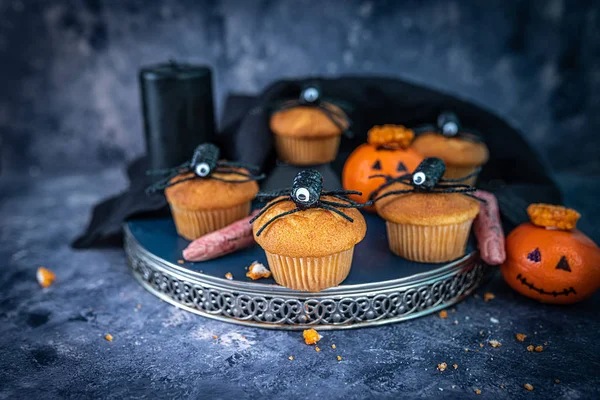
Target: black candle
x=178 y=110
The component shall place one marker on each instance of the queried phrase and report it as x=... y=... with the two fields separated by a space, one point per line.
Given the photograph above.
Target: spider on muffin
x=307 y=192
x=204 y=164
x=427 y=178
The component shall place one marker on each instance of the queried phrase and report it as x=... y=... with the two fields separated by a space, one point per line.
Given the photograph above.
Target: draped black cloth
x=515 y=173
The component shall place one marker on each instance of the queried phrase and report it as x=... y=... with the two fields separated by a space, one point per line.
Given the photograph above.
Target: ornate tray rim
x=275 y=307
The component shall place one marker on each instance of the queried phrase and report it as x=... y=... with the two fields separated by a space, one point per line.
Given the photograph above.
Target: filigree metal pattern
x=282 y=310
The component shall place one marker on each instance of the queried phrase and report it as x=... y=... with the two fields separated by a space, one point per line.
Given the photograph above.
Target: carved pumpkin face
x=550 y=265
x=379 y=158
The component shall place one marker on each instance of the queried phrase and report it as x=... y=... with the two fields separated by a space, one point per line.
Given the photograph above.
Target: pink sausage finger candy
x=488 y=230
x=233 y=237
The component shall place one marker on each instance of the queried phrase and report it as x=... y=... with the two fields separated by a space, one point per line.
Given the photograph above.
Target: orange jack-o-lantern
x=549 y=260
x=387 y=152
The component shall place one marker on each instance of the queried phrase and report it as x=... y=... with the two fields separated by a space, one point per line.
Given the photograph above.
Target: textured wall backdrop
x=68 y=88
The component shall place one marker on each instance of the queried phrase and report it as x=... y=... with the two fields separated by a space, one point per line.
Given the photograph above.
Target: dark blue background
x=70 y=100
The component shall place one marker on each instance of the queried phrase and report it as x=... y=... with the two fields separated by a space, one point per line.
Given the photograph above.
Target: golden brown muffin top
x=426 y=208
x=452 y=150
x=307 y=122
x=206 y=193
x=314 y=232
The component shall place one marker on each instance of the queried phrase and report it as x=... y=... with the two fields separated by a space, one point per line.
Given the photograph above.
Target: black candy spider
x=449 y=125
x=427 y=178
x=306 y=192
x=204 y=163
x=310 y=96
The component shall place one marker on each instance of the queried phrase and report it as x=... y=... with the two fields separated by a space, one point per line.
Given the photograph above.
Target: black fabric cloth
x=515 y=173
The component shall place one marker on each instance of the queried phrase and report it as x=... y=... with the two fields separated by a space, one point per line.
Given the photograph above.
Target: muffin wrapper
x=310 y=274
x=193 y=224
x=458 y=172
x=432 y=244
x=302 y=151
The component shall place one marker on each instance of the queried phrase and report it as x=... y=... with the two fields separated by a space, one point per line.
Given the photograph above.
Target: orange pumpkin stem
x=550 y=216
x=396 y=136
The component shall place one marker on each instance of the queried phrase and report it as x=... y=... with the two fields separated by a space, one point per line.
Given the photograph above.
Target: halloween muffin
x=200 y=206
x=207 y=194
x=308 y=236
x=426 y=219
x=308 y=132
x=387 y=152
x=462 y=152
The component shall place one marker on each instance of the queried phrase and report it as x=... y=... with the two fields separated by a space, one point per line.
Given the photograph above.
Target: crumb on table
x=180 y=261
x=333 y=346
x=442 y=366
x=530 y=348
x=480 y=344
x=215 y=337
x=477 y=391
x=339 y=358
x=311 y=336
x=455 y=366
x=521 y=337
x=495 y=343
x=257 y=270
x=45 y=277
x=108 y=337
x=557 y=381
x=229 y=275
x=317 y=349
x=539 y=349
x=528 y=386
x=443 y=314
x=291 y=358
x=488 y=296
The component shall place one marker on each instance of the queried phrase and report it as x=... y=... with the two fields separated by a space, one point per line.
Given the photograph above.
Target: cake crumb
x=466 y=350
x=488 y=297
x=311 y=336
x=339 y=358
x=257 y=270
x=455 y=366
x=501 y=386
x=139 y=306
x=520 y=337
x=333 y=346
x=528 y=386
x=495 y=343
x=291 y=358
x=108 y=337
x=530 y=348
x=455 y=322
x=442 y=366
x=45 y=277
x=229 y=275
x=443 y=314
x=180 y=261
x=453 y=310
x=539 y=349
x=557 y=381
x=480 y=344
x=317 y=349
x=545 y=343
x=215 y=337
x=477 y=391
x=481 y=332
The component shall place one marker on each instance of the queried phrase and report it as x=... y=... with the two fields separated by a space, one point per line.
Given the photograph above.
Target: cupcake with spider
x=307 y=130
x=308 y=234
x=206 y=194
x=464 y=152
x=428 y=218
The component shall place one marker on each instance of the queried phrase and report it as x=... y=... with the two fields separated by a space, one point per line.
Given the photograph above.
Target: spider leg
x=251 y=177
x=466 y=192
x=173 y=170
x=340 y=191
x=165 y=183
x=282 y=192
x=340 y=197
x=341 y=205
x=335 y=210
x=392 y=193
x=463 y=178
x=276 y=218
x=390 y=181
x=265 y=208
x=335 y=118
x=453 y=185
x=235 y=164
x=484 y=201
